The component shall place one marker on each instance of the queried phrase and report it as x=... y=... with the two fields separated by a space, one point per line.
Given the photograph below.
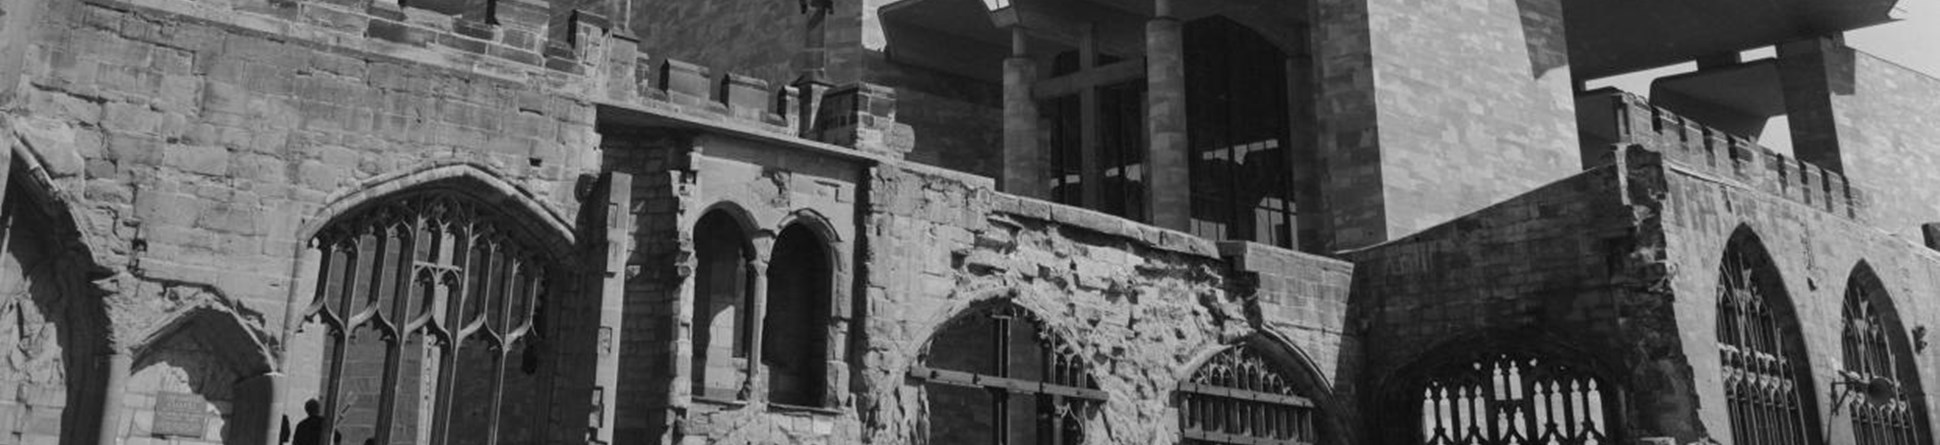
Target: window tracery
x=994 y=376
x=1240 y=398
x=430 y=306
x=1764 y=367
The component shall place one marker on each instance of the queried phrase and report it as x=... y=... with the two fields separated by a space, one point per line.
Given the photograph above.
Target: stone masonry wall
x=198 y=142
x=1419 y=128
x=1815 y=253
x=1888 y=129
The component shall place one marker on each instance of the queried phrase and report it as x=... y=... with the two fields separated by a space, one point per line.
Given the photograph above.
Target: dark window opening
x=1240 y=134
x=1120 y=142
x=1767 y=390
x=796 y=330
x=430 y=304
x=720 y=328
x=994 y=376
x=1874 y=351
x=1239 y=398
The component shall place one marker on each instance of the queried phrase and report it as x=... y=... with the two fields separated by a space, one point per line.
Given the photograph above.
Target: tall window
x=1240 y=134
x=1875 y=350
x=721 y=281
x=429 y=301
x=1766 y=389
x=1509 y=398
x=1238 y=398
x=1116 y=140
x=796 y=331
x=993 y=376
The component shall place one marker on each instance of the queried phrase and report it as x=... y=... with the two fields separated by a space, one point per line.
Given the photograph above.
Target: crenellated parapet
x=1610 y=116
x=860 y=116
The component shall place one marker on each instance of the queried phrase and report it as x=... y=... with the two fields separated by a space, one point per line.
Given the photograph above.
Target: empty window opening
x=1514 y=398
x=1876 y=351
x=1239 y=398
x=1767 y=391
x=430 y=303
x=721 y=281
x=994 y=376
x=796 y=332
x=1240 y=134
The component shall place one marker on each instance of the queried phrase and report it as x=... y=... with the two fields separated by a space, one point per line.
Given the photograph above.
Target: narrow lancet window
x=1765 y=373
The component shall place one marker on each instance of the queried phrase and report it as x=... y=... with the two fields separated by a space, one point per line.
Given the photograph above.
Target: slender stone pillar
x=611 y=283
x=112 y=389
x=757 y=318
x=1168 y=187
x=1023 y=164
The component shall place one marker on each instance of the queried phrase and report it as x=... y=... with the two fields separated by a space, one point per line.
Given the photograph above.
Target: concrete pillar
x=757 y=318
x=112 y=388
x=1023 y=164
x=1168 y=185
x=1812 y=71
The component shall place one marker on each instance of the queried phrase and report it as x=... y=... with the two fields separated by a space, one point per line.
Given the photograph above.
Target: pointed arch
x=1874 y=346
x=479 y=182
x=53 y=318
x=1769 y=393
x=1273 y=387
x=435 y=267
x=1557 y=391
x=995 y=371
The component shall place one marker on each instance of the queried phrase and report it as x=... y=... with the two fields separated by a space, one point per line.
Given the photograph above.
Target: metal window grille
x=1514 y=399
x=1764 y=396
x=1059 y=385
x=1870 y=356
x=429 y=305
x=1238 y=398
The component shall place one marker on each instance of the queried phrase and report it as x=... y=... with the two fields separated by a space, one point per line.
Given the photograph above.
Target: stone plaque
x=178 y=414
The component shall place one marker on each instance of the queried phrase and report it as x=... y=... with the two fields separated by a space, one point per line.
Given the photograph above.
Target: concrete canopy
x=1611 y=37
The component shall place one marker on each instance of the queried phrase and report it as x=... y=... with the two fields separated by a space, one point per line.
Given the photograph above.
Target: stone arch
x=204 y=364
x=1329 y=416
x=724 y=260
x=1769 y=390
x=477 y=181
x=802 y=287
x=436 y=283
x=1429 y=387
x=53 y=320
x=999 y=357
x=1875 y=345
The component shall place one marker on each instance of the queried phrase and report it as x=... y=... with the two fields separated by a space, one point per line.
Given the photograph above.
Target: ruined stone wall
x=1419 y=128
x=1888 y=127
x=199 y=142
x=49 y=330
x=1815 y=252
x=1542 y=272
x=1142 y=305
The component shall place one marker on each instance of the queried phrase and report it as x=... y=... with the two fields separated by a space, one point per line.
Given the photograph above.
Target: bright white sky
x=1913 y=42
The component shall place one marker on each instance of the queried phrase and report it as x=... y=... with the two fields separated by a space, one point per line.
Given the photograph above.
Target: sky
x=1913 y=42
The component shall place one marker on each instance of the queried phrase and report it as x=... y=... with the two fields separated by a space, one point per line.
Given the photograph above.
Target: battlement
x=1610 y=116
x=860 y=116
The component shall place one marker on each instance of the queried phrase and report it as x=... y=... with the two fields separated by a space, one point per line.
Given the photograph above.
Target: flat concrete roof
x=1611 y=37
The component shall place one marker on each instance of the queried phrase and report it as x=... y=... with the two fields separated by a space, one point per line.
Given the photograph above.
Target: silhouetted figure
x=311 y=428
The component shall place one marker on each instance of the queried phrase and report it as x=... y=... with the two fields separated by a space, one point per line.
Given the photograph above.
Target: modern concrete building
x=961 y=222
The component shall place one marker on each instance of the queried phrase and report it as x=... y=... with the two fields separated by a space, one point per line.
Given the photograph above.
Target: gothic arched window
x=1766 y=377
x=994 y=376
x=1240 y=398
x=1875 y=350
x=721 y=303
x=1513 y=398
x=429 y=302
